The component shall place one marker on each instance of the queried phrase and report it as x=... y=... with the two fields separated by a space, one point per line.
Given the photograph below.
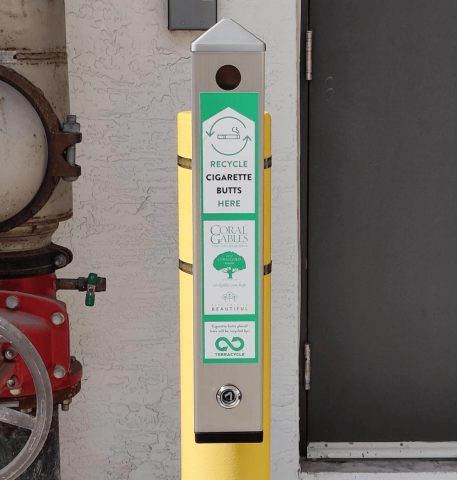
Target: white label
x=229 y=267
x=230 y=340
x=229 y=163
x=7 y=56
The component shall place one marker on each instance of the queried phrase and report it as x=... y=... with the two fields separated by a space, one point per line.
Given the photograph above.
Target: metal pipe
x=33 y=43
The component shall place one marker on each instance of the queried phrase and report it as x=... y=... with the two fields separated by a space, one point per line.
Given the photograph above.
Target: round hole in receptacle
x=228 y=77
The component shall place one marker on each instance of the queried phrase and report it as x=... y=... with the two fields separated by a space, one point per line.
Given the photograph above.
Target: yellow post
x=248 y=461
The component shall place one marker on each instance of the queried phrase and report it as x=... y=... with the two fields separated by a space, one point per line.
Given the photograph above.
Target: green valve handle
x=91 y=284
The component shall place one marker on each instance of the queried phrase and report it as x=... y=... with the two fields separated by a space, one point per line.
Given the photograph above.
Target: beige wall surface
x=129 y=77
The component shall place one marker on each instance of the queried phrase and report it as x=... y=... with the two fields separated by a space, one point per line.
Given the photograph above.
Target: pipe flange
x=58 y=141
x=32 y=263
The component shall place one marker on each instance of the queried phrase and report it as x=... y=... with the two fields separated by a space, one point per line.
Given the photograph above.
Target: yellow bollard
x=250 y=461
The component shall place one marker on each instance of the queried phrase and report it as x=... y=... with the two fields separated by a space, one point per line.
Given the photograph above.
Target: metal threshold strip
x=380 y=450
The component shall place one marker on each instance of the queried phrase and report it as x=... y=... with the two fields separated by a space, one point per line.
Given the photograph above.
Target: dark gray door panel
x=382 y=266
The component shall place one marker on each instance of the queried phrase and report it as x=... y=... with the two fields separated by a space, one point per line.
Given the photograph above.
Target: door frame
x=418 y=451
x=304 y=93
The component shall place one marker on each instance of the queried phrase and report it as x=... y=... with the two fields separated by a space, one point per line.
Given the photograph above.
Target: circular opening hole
x=228 y=77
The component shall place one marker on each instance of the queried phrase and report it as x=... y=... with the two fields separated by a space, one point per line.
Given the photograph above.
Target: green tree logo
x=229 y=262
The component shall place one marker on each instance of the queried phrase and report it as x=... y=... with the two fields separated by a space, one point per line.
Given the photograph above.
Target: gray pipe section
x=35 y=30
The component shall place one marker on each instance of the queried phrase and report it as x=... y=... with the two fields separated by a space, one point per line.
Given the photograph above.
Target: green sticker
x=230 y=228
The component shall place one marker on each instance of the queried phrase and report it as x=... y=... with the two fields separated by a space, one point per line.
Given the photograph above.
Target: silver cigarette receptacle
x=228 y=127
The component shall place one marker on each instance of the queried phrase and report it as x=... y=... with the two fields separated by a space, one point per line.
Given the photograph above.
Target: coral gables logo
x=229 y=269
x=229 y=234
x=230 y=263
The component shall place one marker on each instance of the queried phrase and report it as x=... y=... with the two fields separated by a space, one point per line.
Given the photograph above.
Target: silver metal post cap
x=227 y=36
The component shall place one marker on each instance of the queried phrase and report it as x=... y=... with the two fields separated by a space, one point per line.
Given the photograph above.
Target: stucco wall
x=129 y=77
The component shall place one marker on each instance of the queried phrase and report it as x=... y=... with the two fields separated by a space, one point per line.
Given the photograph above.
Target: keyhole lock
x=228 y=396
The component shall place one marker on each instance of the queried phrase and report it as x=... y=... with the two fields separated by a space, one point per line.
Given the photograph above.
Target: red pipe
x=44 y=286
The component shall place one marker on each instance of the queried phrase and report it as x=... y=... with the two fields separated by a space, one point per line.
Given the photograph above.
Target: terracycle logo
x=229 y=343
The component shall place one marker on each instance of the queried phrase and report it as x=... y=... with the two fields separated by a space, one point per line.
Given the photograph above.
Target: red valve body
x=33 y=317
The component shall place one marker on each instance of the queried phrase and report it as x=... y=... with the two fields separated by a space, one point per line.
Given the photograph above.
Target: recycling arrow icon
x=229 y=136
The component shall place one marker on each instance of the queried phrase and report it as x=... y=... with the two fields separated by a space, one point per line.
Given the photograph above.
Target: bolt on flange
x=60 y=261
x=12 y=382
x=10 y=353
x=58 y=318
x=66 y=405
x=59 y=372
x=12 y=302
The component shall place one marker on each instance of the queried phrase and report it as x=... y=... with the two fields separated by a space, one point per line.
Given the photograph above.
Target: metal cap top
x=227 y=36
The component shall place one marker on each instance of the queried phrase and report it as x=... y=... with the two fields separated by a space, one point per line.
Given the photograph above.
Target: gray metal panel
x=228 y=36
x=209 y=415
x=383 y=221
x=191 y=14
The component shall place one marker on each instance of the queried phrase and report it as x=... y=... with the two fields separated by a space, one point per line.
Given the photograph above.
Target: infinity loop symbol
x=229 y=344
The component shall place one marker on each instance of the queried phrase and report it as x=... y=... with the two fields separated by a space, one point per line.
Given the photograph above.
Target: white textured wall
x=129 y=77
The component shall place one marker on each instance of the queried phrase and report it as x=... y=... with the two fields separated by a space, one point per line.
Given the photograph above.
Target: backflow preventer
x=38 y=139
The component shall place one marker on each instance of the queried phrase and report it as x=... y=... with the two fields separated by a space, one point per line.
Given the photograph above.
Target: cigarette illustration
x=230 y=136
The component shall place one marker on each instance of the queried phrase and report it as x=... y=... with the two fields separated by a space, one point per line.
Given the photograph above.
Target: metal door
x=382 y=231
